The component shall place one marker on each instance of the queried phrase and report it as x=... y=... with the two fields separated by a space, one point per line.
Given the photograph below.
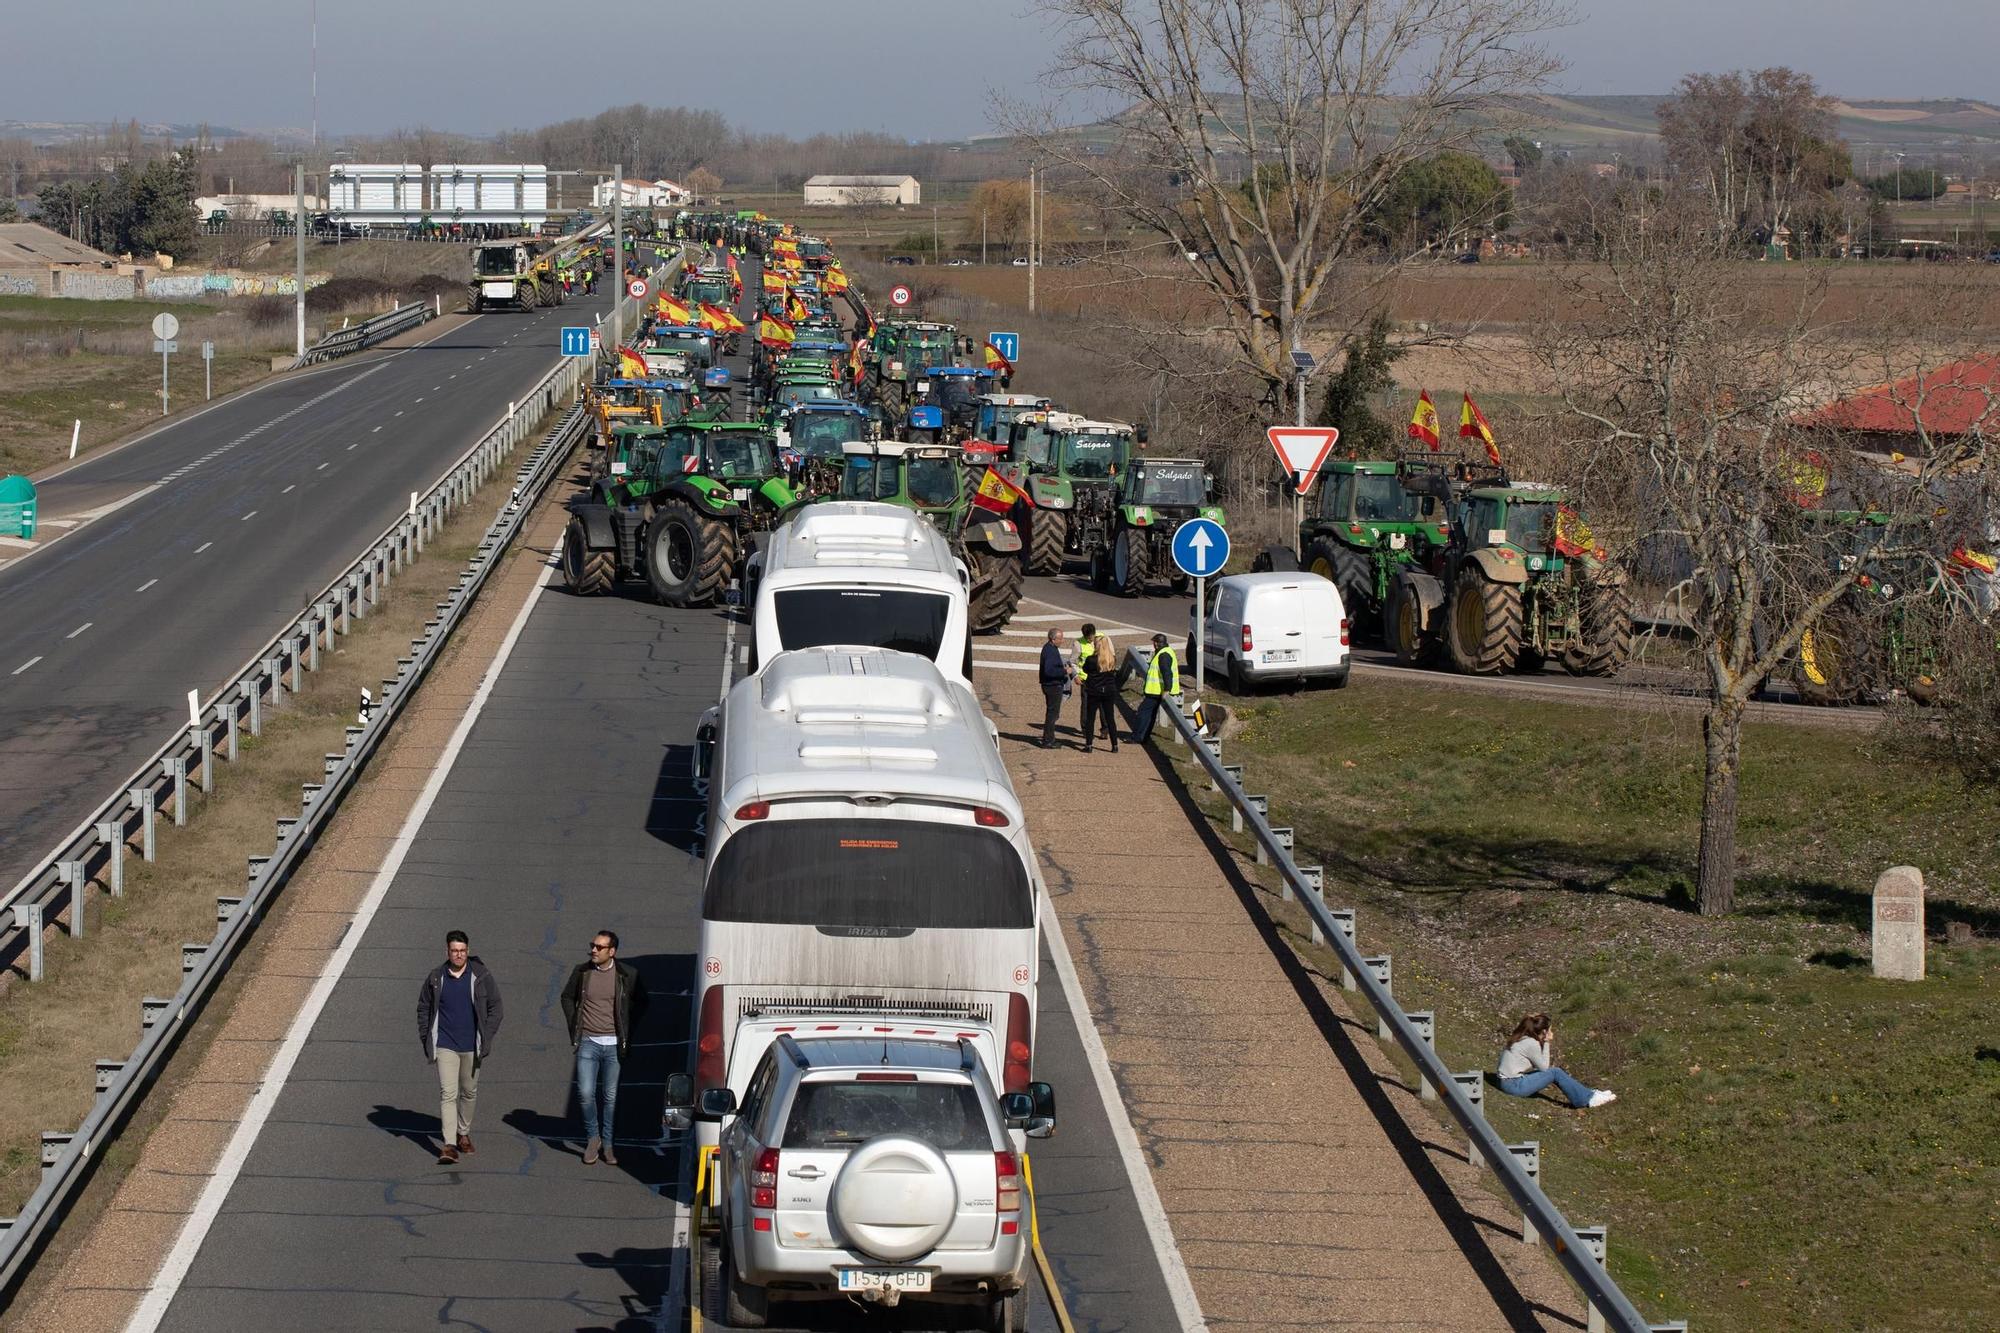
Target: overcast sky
x=918 y=70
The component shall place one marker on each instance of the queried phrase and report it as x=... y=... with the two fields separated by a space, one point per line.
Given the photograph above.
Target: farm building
x=1954 y=400
x=834 y=191
x=635 y=193
x=35 y=261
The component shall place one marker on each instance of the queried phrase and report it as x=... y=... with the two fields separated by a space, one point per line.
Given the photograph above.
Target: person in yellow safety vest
x=1163 y=677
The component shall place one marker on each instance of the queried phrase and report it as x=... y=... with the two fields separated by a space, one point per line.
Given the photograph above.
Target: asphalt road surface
x=231 y=519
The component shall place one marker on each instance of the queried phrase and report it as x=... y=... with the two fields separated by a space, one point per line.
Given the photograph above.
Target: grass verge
x=87 y=1008
x=1796 y=1144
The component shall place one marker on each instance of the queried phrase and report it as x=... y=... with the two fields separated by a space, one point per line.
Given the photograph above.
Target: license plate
x=884 y=1279
x=740 y=494
x=1282 y=655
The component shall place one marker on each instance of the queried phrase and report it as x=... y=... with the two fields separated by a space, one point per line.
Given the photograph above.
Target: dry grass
x=88 y=1007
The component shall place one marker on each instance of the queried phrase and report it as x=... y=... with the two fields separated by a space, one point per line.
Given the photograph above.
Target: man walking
x=1163 y=677
x=602 y=1000
x=1054 y=678
x=458 y=1016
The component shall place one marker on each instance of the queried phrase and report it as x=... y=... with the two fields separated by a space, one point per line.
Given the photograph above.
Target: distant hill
x=1957 y=123
x=63 y=131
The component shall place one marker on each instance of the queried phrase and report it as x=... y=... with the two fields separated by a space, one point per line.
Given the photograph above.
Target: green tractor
x=1128 y=534
x=1370 y=522
x=1517 y=583
x=931 y=479
x=1061 y=462
x=1884 y=635
x=683 y=515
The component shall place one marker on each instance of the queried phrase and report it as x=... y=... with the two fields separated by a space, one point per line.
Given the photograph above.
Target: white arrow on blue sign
x=1007 y=344
x=576 y=341
x=1201 y=547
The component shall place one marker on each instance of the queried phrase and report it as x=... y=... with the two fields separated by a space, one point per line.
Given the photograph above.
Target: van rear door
x=1277 y=620
x=1323 y=614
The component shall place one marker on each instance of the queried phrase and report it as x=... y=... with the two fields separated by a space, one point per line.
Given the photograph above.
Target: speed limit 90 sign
x=899 y=295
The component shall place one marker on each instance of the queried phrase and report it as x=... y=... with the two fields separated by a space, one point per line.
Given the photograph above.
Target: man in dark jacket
x=602 y=1001
x=1055 y=682
x=458 y=1016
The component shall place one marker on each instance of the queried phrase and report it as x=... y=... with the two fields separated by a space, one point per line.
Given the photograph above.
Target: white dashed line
x=25 y=665
x=354 y=446
x=324 y=466
x=399 y=412
x=376 y=431
x=289 y=489
x=247 y=517
x=203 y=547
x=418 y=400
x=79 y=629
x=147 y=584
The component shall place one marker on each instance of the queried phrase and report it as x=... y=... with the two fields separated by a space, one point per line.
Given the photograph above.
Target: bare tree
x=1759 y=144
x=1261 y=136
x=1794 y=526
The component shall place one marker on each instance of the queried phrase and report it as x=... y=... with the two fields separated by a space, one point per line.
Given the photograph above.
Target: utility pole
x=1031 y=238
x=934 y=233
x=617 y=253
x=982 y=238
x=299 y=231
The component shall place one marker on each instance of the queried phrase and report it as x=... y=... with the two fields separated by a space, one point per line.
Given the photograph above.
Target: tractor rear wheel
x=1100 y=570
x=1604 y=644
x=997 y=580
x=1415 y=645
x=1352 y=573
x=688 y=557
x=589 y=572
x=1131 y=562
x=1484 y=627
x=1048 y=536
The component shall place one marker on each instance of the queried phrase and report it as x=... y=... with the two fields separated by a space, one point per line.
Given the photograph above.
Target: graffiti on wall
x=97 y=286
x=13 y=286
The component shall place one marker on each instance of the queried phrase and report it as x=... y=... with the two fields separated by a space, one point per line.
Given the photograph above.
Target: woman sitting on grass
x=1525 y=1067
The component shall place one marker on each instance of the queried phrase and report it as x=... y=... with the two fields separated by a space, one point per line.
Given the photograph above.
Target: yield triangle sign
x=1303 y=449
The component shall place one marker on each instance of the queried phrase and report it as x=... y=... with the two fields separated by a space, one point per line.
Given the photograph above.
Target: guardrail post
x=1343 y=920
x=1528 y=1156
x=175 y=769
x=142 y=801
x=53 y=1144
x=1473 y=1084
x=1425 y=1022
x=151 y=1009
x=191 y=956
x=274 y=668
x=1214 y=744
x=1593 y=1239
x=74 y=874
x=1385 y=973
x=1315 y=881
x=224 y=906
x=253 y=704
x=28 y=918
x=225 y=711
x=111 y=833
x=107 y=1070
x=1283 y=837
x=203 y=774
x=311 y=636
x=309 y=794
x=296 y=652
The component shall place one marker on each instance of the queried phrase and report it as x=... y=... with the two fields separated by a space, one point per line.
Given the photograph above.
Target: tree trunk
x=1722 y=739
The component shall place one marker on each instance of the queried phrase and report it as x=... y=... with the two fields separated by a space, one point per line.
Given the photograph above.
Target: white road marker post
x=75 y=434
x=195 y=735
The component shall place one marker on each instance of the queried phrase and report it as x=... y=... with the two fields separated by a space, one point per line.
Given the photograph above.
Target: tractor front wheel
x=588 y=572
x=1131 y=561
x=1100 y=570
x=1048 y=536
x=1604 y=642
x=1414 y=644
x=1484 y=629
x=688 y=557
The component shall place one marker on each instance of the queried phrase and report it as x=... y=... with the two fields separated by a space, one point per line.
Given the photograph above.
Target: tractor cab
x=1519 y=521
x=502 y=260
x=997 y=413
x=714 y=286
x=738 y=453
x=955 y=391
x=906 y=346
x=1167 y=487
x=650 y=402
x=680 y=351
x=922 y=476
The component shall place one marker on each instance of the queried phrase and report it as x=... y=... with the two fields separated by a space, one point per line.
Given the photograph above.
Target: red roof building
x=1956 y=399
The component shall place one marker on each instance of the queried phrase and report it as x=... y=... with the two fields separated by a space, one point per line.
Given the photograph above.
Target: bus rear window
x=909 y=622
x=870 y=874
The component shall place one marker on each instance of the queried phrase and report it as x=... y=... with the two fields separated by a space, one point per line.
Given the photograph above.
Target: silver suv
x=874 y=1170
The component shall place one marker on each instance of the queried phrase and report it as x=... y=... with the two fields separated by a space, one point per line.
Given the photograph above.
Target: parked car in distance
x=905 y=261
x=1283 y=626
x=871 y=1169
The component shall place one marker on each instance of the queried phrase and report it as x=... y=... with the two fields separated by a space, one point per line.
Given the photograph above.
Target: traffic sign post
x=1008 y=345
x=636 y=289
x=576 y=340
x=1201 y=548
x=208 y=370
x=899 y=295
x=165 y=326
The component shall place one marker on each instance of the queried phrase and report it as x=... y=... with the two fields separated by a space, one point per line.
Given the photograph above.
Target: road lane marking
x=357 y=444
x=25 y=665
x=247 y=517
x=174 y=1268
x=147 y=584
x=376 y=431
x=79 y=629
x=399 y=412
x=322 y=467
x=419 y=400
x=203 y=547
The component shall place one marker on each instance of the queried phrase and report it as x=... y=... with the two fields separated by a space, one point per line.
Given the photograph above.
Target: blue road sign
x=576 y=341
x=1201 y=547
x=1007 y=344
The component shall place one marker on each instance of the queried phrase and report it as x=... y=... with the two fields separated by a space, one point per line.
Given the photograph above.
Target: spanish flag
x=631 y=364
x=784 y=245
x=1573 y=538
x=773 y=332
x=673 y=311
x=1977 y=561
x=997 y=363
x=836 y=281
x=1424 y=421
x=857 y=357
x=996 y=493
x=1472 y=426
x=720 y=319
x=774 y=281
x=795 y=309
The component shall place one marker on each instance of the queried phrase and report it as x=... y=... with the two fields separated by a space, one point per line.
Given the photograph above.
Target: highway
x=208 y=537
x=570 y=809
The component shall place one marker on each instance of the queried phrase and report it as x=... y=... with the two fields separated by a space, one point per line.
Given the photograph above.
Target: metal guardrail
x=358 y=337
x=1580 y=1250
x=66 y=1158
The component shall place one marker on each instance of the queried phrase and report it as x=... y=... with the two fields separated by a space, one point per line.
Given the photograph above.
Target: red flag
x=1472 y=425
x=1424 y=421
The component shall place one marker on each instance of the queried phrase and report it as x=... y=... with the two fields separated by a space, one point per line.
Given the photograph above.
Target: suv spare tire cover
x=895 y=1198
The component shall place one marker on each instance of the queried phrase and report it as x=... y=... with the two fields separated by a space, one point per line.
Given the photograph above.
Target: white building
x=635 y=193
x=823 y=191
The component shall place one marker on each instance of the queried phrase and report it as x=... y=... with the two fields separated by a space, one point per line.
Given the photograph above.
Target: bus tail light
x=1018 y=1053
x=708 y=1067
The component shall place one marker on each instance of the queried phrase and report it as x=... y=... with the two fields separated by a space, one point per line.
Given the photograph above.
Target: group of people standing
x=1096 y=675
x=458 y=1018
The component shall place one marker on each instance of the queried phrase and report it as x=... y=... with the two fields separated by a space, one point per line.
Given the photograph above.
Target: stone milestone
x=1899 y=924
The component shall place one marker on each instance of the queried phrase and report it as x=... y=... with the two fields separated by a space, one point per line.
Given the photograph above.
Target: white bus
x=867 y=867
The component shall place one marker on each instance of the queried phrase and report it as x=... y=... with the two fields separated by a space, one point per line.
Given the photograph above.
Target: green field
x=1796 y=1145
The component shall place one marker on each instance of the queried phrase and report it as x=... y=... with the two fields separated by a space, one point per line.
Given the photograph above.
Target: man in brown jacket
x=602 y=1000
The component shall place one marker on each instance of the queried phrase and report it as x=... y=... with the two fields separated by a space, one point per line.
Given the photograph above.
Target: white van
x=1282 y=626
x=860 y=574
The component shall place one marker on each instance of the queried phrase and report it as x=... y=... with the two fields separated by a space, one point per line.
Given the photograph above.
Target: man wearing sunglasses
x=602 y=1000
